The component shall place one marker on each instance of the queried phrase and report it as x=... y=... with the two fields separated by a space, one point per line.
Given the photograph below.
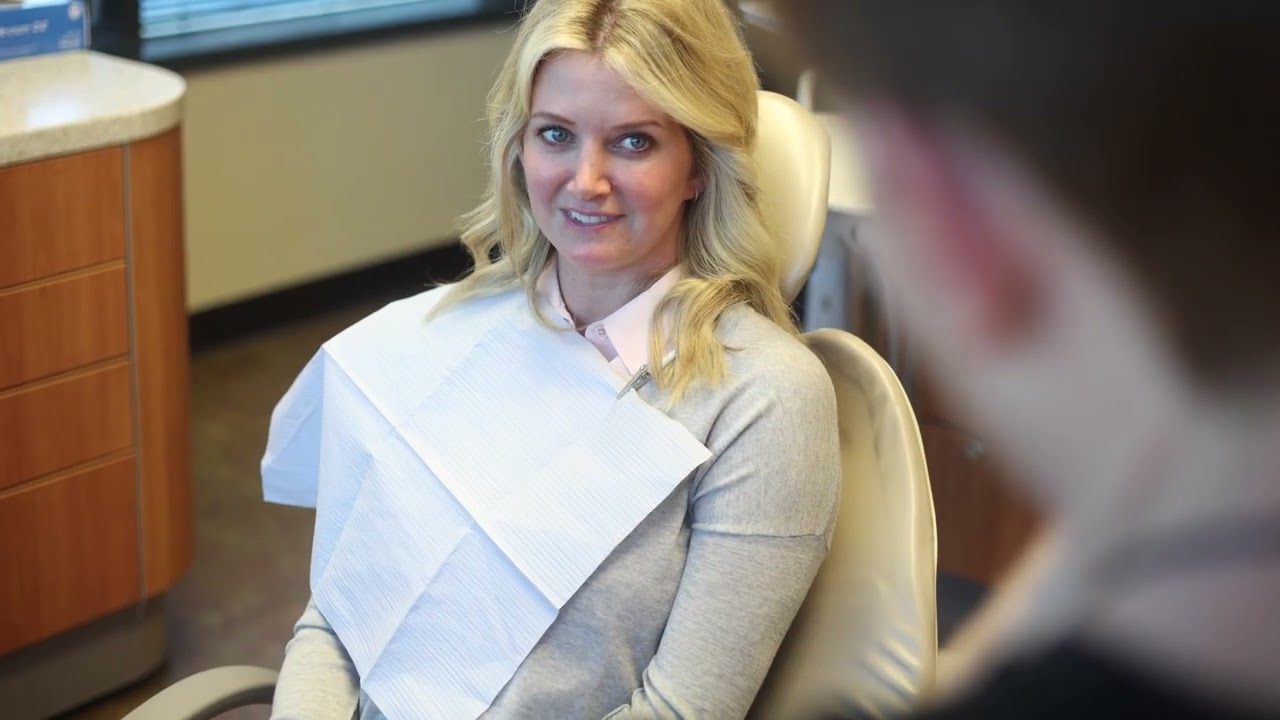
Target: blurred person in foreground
x=1077 y=202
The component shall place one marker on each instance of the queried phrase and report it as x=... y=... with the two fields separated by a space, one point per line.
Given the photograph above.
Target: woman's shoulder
x=758 y=348
x=767 y=366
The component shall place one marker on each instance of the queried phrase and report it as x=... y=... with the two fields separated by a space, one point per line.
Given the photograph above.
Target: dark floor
x=248 y=582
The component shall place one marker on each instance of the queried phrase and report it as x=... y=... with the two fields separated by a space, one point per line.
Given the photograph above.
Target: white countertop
x=68 y=102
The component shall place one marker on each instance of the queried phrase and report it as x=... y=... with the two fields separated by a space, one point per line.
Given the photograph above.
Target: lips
x=589 y=220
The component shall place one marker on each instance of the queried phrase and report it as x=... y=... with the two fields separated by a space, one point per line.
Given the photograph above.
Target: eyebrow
x=616 y=128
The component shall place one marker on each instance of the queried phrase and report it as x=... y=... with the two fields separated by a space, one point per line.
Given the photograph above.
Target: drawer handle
x=974 y=449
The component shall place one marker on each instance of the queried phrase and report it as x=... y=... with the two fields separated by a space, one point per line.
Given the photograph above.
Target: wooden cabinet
x=62 y=423
x=61 y=214
x=88 y=515
x=983 y=520
x=95 y=503
x=51 y=327
x=983 y=523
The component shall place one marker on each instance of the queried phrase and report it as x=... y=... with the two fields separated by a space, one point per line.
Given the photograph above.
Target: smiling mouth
x=589 y=219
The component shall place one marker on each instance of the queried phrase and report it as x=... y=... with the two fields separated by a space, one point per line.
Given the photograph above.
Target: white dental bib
x=469 y=474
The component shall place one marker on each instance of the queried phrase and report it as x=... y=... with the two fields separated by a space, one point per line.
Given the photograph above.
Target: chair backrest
x=865 y=641
x=793 y=159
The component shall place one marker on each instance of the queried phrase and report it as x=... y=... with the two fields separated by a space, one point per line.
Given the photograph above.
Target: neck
x=1202 y=617
x=1210 y=628
x=593 y=296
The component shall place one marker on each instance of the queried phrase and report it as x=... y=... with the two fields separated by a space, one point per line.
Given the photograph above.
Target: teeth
x=588 y=219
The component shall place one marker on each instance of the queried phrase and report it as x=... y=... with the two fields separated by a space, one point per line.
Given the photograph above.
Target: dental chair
x=865 y=641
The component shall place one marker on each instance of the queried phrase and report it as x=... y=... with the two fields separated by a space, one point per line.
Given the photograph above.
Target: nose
x=590 y=177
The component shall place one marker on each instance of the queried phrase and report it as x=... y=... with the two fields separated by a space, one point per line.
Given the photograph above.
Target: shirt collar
x=628 y=327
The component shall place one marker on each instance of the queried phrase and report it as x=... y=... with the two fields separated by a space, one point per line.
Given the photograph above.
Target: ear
x=697 y=181
x=696 y=184
x=926 y=180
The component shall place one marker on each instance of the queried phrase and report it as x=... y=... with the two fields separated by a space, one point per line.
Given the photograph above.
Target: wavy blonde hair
x=687 y=58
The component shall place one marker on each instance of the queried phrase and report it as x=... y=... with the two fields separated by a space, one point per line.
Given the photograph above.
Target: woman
x=622 y=217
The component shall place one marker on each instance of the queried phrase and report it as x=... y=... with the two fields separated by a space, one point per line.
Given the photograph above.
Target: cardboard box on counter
x=39 y=27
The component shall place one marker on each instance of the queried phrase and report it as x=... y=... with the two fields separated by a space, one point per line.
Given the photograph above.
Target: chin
x=599 y=262
x=592 y=254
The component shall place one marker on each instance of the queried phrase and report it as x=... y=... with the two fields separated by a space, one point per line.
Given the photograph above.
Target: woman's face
x=608 y=174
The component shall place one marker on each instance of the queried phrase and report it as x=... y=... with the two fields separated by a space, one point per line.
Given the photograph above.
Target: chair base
x=80 y=665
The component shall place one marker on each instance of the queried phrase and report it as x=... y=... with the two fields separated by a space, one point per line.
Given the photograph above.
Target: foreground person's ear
x=937 y=194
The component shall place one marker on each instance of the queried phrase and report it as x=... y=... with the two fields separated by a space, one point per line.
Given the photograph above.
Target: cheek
x=544 y=176
x=652 y=190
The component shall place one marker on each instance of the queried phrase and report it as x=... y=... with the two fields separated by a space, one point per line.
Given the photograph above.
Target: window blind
x=165 y=18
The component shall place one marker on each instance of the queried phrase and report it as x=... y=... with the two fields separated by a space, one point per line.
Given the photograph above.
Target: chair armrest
x=208 y=694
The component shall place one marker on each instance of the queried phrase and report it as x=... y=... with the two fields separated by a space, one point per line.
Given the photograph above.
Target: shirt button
x=600 y=331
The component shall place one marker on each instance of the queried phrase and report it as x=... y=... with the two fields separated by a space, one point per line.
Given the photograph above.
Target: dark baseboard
x=401 y=276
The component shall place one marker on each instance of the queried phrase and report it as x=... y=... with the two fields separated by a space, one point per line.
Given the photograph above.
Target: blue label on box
x=37 y=28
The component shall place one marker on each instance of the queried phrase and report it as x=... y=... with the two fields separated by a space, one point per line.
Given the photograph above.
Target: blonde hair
x=687 y=58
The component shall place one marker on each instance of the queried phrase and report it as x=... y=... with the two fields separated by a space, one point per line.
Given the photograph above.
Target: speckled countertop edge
x=70 y=102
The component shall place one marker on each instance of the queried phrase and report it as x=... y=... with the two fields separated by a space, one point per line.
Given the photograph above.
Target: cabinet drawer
x=55 y=425
x=983 y=525
x=60 y=214
x=68 y=552
x=58 y=326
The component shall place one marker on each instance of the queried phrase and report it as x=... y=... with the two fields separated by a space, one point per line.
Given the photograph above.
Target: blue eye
x=554 y=134
x=636 y=143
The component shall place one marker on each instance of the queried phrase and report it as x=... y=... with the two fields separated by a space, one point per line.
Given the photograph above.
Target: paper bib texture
x=469 y=475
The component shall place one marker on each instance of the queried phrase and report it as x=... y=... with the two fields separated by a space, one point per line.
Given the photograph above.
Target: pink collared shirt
x=622 y=337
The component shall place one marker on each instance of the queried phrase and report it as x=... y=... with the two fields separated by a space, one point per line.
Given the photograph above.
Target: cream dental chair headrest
x=793 y=153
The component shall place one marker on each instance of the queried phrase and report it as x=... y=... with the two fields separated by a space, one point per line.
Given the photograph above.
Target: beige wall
x=310 y=164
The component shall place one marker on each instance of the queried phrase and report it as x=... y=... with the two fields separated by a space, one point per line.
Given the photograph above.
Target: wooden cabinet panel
x=162 y=357
x=61 y=214
x=982 y=524
x=52 y=327
x=58 y=424
x=68 y=551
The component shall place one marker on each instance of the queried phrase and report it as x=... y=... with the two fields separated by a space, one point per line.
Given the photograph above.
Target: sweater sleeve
x=762 y=514
x=318 y=680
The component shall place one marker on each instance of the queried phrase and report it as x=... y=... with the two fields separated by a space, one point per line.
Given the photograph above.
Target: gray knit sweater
x=683 y=619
